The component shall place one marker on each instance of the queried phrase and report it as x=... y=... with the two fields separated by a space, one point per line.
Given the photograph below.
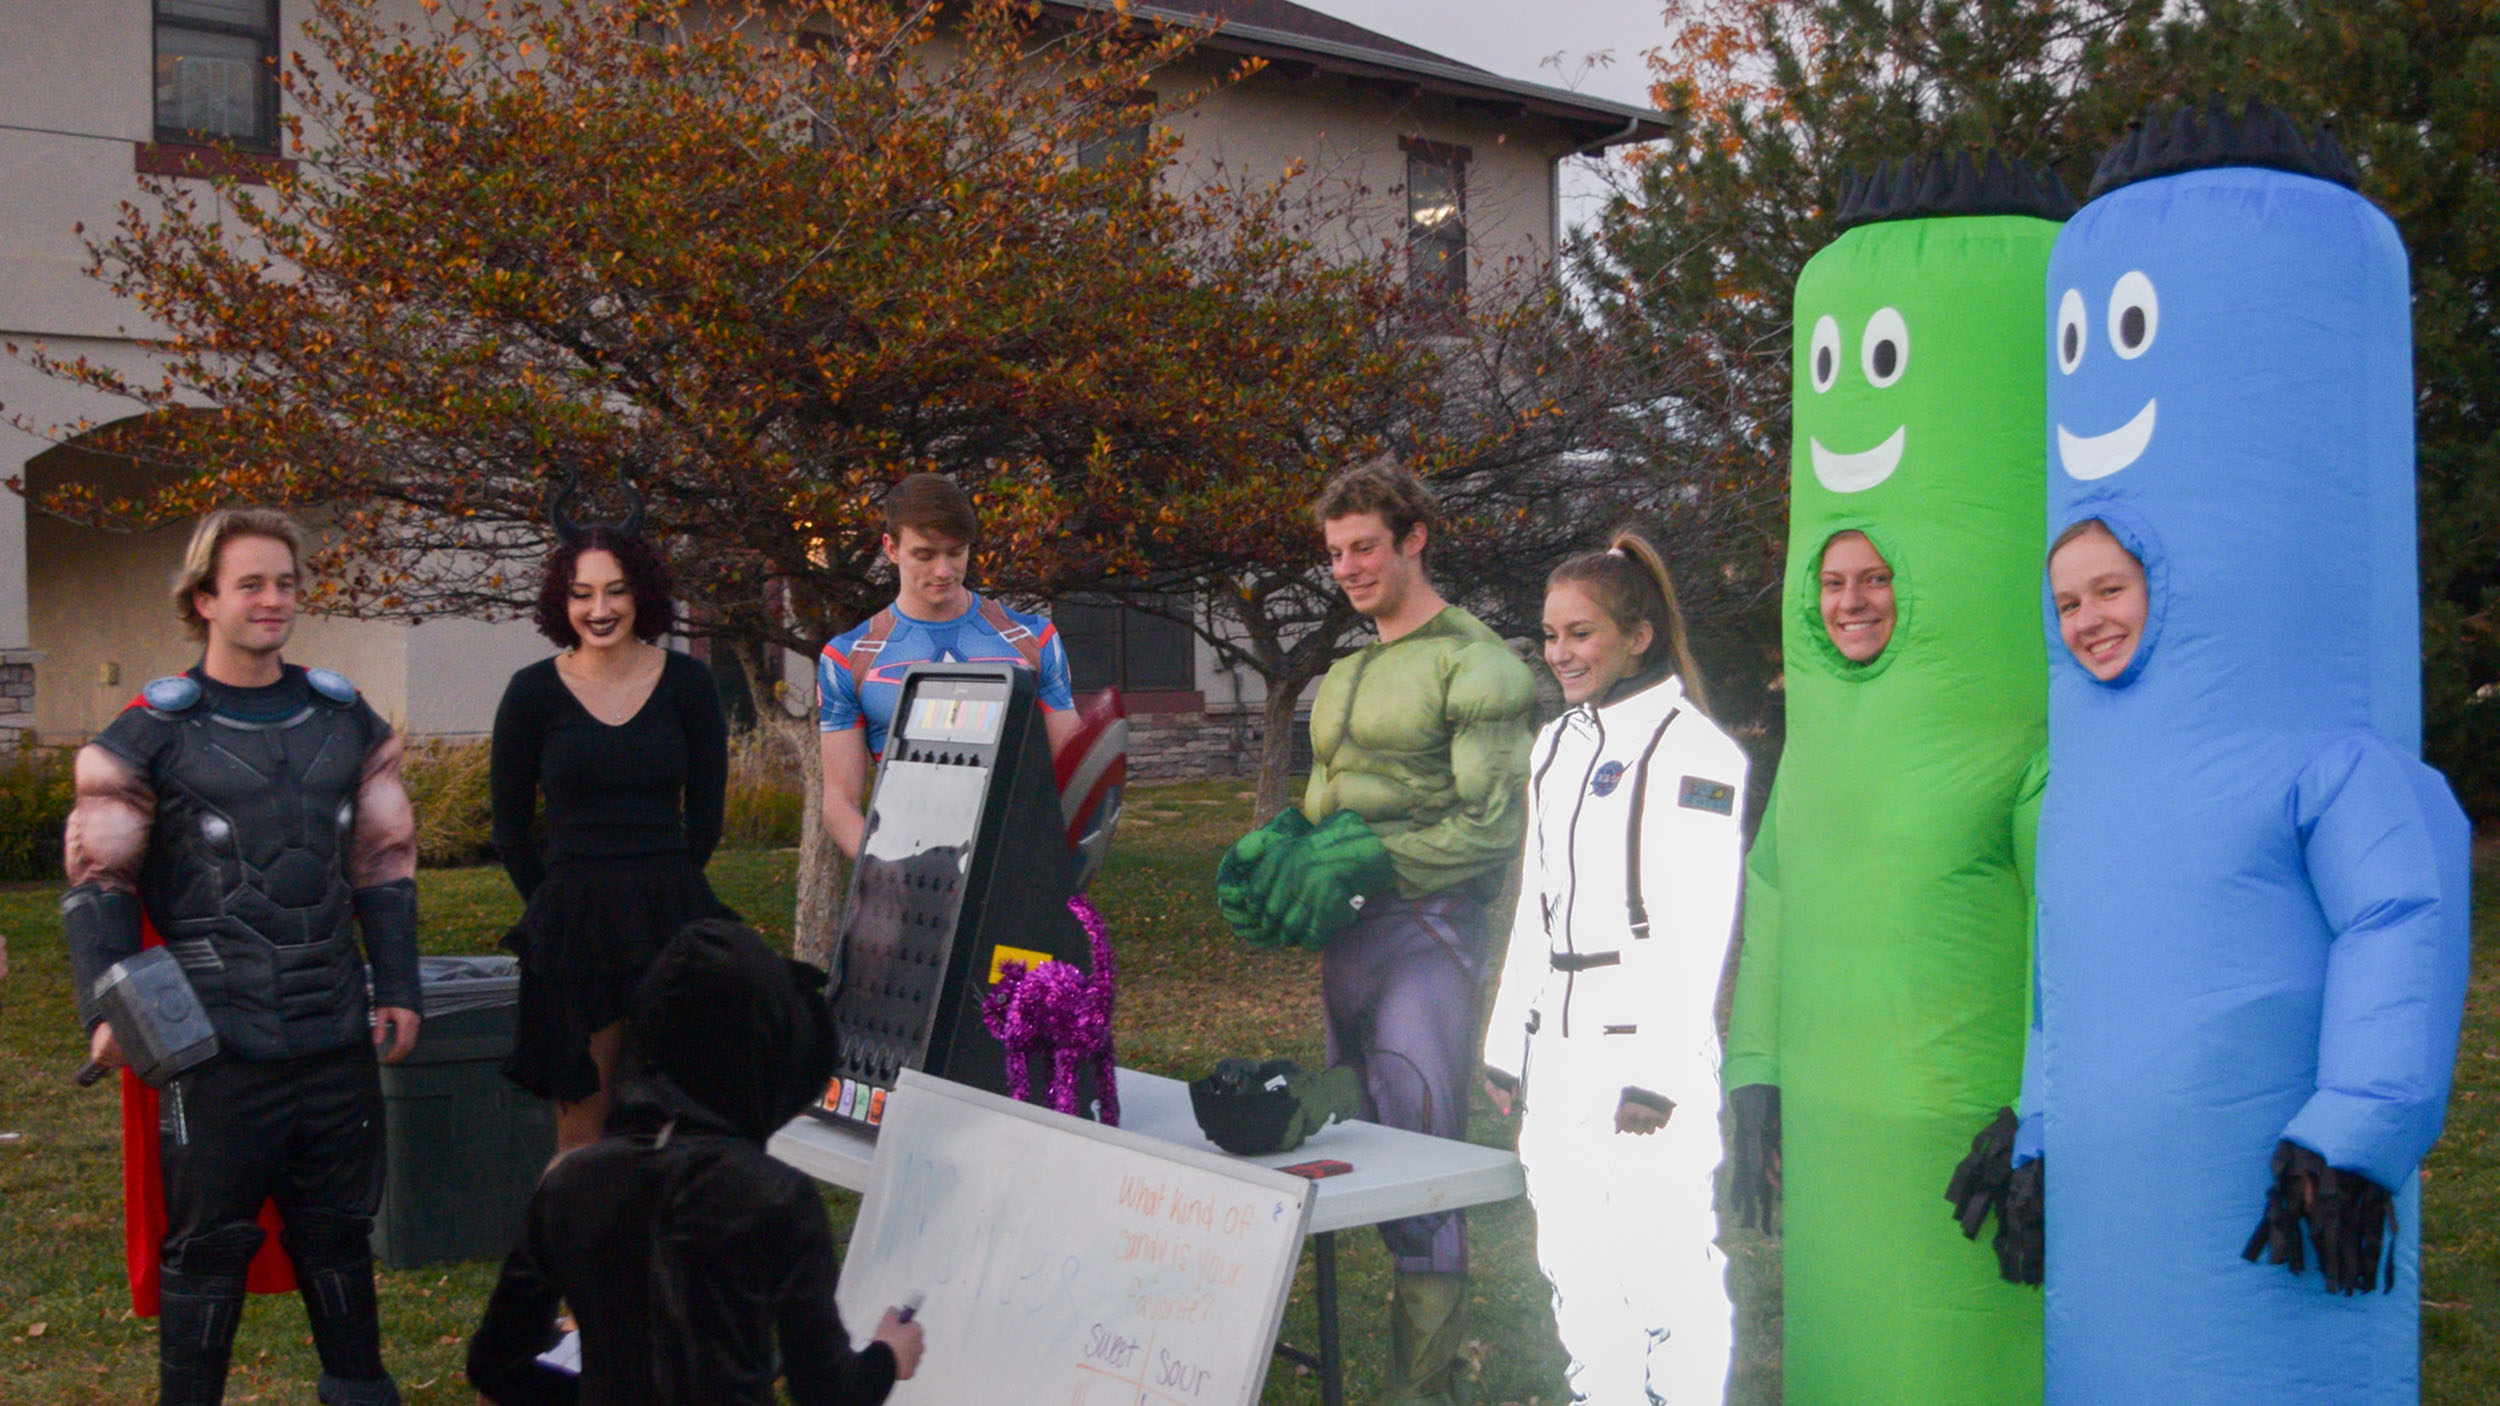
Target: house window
x=1436 y=223
x=840 y=68
x=1116 y=645
x=1126 y=144
x=1123 y=149
x=217 y=72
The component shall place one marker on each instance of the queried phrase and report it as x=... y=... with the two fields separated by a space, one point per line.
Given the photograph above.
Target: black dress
x=633 y=812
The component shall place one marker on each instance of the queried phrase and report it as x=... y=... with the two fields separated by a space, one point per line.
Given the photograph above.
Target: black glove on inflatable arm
x=2350 y=1218
x=1987 y=1180
x=1751 y=1195
x=2023 y=1224
x=1978 y=1185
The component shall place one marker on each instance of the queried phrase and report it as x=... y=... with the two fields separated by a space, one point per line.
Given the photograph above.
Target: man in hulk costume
x=1880 y=1003
x=1413 y=816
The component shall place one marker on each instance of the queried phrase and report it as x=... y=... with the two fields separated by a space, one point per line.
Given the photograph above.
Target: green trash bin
x=463 y=1146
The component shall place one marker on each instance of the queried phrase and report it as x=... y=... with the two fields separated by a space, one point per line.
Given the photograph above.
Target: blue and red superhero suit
x=859 y=676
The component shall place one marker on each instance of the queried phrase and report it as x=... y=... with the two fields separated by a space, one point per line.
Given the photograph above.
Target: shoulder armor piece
x=175 y=693
x=331 y=685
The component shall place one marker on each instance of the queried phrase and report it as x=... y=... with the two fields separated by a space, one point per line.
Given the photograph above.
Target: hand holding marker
x=902 y=1336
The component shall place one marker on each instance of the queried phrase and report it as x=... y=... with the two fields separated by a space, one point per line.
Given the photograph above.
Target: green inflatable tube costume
x=1883 y=984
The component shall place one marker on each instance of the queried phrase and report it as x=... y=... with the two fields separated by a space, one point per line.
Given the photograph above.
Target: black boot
x=196 y=1319
x=378 y=1391
x=347 y=1333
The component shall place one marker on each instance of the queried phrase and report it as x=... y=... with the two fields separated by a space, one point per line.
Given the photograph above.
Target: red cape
x=143 y=1198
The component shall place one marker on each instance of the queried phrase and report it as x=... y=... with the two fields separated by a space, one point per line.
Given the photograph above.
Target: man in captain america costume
x=253 y=812
x=930 y=530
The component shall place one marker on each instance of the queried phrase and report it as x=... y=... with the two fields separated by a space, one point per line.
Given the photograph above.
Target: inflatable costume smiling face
x=2231 y=390
x=2251 y=899
x=1916 y=405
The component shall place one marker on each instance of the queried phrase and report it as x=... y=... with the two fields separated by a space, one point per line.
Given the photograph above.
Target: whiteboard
x=1063 y=1263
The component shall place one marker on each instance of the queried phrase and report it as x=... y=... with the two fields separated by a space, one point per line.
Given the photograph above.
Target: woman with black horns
x=626 y=742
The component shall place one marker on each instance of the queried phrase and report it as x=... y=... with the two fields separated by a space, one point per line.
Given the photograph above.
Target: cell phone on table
x=1324 y=1167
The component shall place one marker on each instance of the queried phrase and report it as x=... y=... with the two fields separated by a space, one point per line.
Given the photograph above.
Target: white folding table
x=1396 y=1174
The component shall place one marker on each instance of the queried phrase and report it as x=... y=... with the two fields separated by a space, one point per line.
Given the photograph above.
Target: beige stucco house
x=91 y=96
x=1457 y=164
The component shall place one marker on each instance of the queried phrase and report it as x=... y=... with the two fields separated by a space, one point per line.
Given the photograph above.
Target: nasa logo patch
x=1606 y=779
x=1701 y=793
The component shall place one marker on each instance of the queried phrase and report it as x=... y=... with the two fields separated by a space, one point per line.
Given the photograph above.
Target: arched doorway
x=99 y=613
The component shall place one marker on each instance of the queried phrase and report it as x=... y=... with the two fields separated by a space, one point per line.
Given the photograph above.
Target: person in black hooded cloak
x=683 y=1249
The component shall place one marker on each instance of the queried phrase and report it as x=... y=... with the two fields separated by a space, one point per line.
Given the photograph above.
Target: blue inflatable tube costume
x=2252 y=895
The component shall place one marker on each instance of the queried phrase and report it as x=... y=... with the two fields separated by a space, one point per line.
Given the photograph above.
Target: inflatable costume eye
x=1887 y=350
x=2134 y=315
x=2070 y=331
x=1823 y=354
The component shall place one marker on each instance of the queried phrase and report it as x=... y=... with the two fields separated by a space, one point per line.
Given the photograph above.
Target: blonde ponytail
x=1629 y=581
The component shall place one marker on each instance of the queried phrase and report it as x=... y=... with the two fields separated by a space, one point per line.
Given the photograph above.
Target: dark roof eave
x=1596 y=123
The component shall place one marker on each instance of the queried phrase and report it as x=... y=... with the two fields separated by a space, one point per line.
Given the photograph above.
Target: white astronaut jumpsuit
x=1592 y=1011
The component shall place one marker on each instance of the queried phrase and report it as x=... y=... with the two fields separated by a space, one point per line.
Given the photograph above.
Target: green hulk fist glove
x=1333 y=1095
x=1241 y=879
x=1320 y=883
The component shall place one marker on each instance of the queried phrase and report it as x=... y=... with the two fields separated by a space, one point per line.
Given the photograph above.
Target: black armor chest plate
x=255 y=818
x=246 y=870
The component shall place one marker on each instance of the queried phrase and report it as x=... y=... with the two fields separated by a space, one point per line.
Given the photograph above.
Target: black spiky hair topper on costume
x=2187 y=139
x=570 y=530
x=1955 y=183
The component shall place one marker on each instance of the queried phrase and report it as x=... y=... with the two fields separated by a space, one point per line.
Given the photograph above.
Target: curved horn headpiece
x=570 y=530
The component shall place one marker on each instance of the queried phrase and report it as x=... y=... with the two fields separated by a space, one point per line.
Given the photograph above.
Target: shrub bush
x=447 y=783
x=764 y=808
x=34 y=806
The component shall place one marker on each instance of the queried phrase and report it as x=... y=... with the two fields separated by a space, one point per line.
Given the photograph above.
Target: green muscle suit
x=1882 y=988
x=1426 y=737
x=1415 y=810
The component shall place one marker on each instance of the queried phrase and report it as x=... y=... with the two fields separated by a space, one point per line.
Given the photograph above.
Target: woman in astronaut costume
x=1628 y=892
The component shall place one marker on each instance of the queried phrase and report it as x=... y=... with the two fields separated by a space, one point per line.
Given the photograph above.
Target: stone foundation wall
x=17 y=697
x=1191 y=746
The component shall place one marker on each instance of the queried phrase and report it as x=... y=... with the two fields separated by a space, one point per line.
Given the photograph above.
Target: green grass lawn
x=1189 y=995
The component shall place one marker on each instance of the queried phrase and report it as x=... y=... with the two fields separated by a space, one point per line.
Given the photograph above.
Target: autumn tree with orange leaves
x=758 y=267
x=759 y=264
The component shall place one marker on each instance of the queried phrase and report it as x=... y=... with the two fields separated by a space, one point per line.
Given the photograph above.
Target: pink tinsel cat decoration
x=1064 y=1010
x=1055 y=1006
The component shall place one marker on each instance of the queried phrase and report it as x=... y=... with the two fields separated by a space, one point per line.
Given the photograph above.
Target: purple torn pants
x=1403 y=990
